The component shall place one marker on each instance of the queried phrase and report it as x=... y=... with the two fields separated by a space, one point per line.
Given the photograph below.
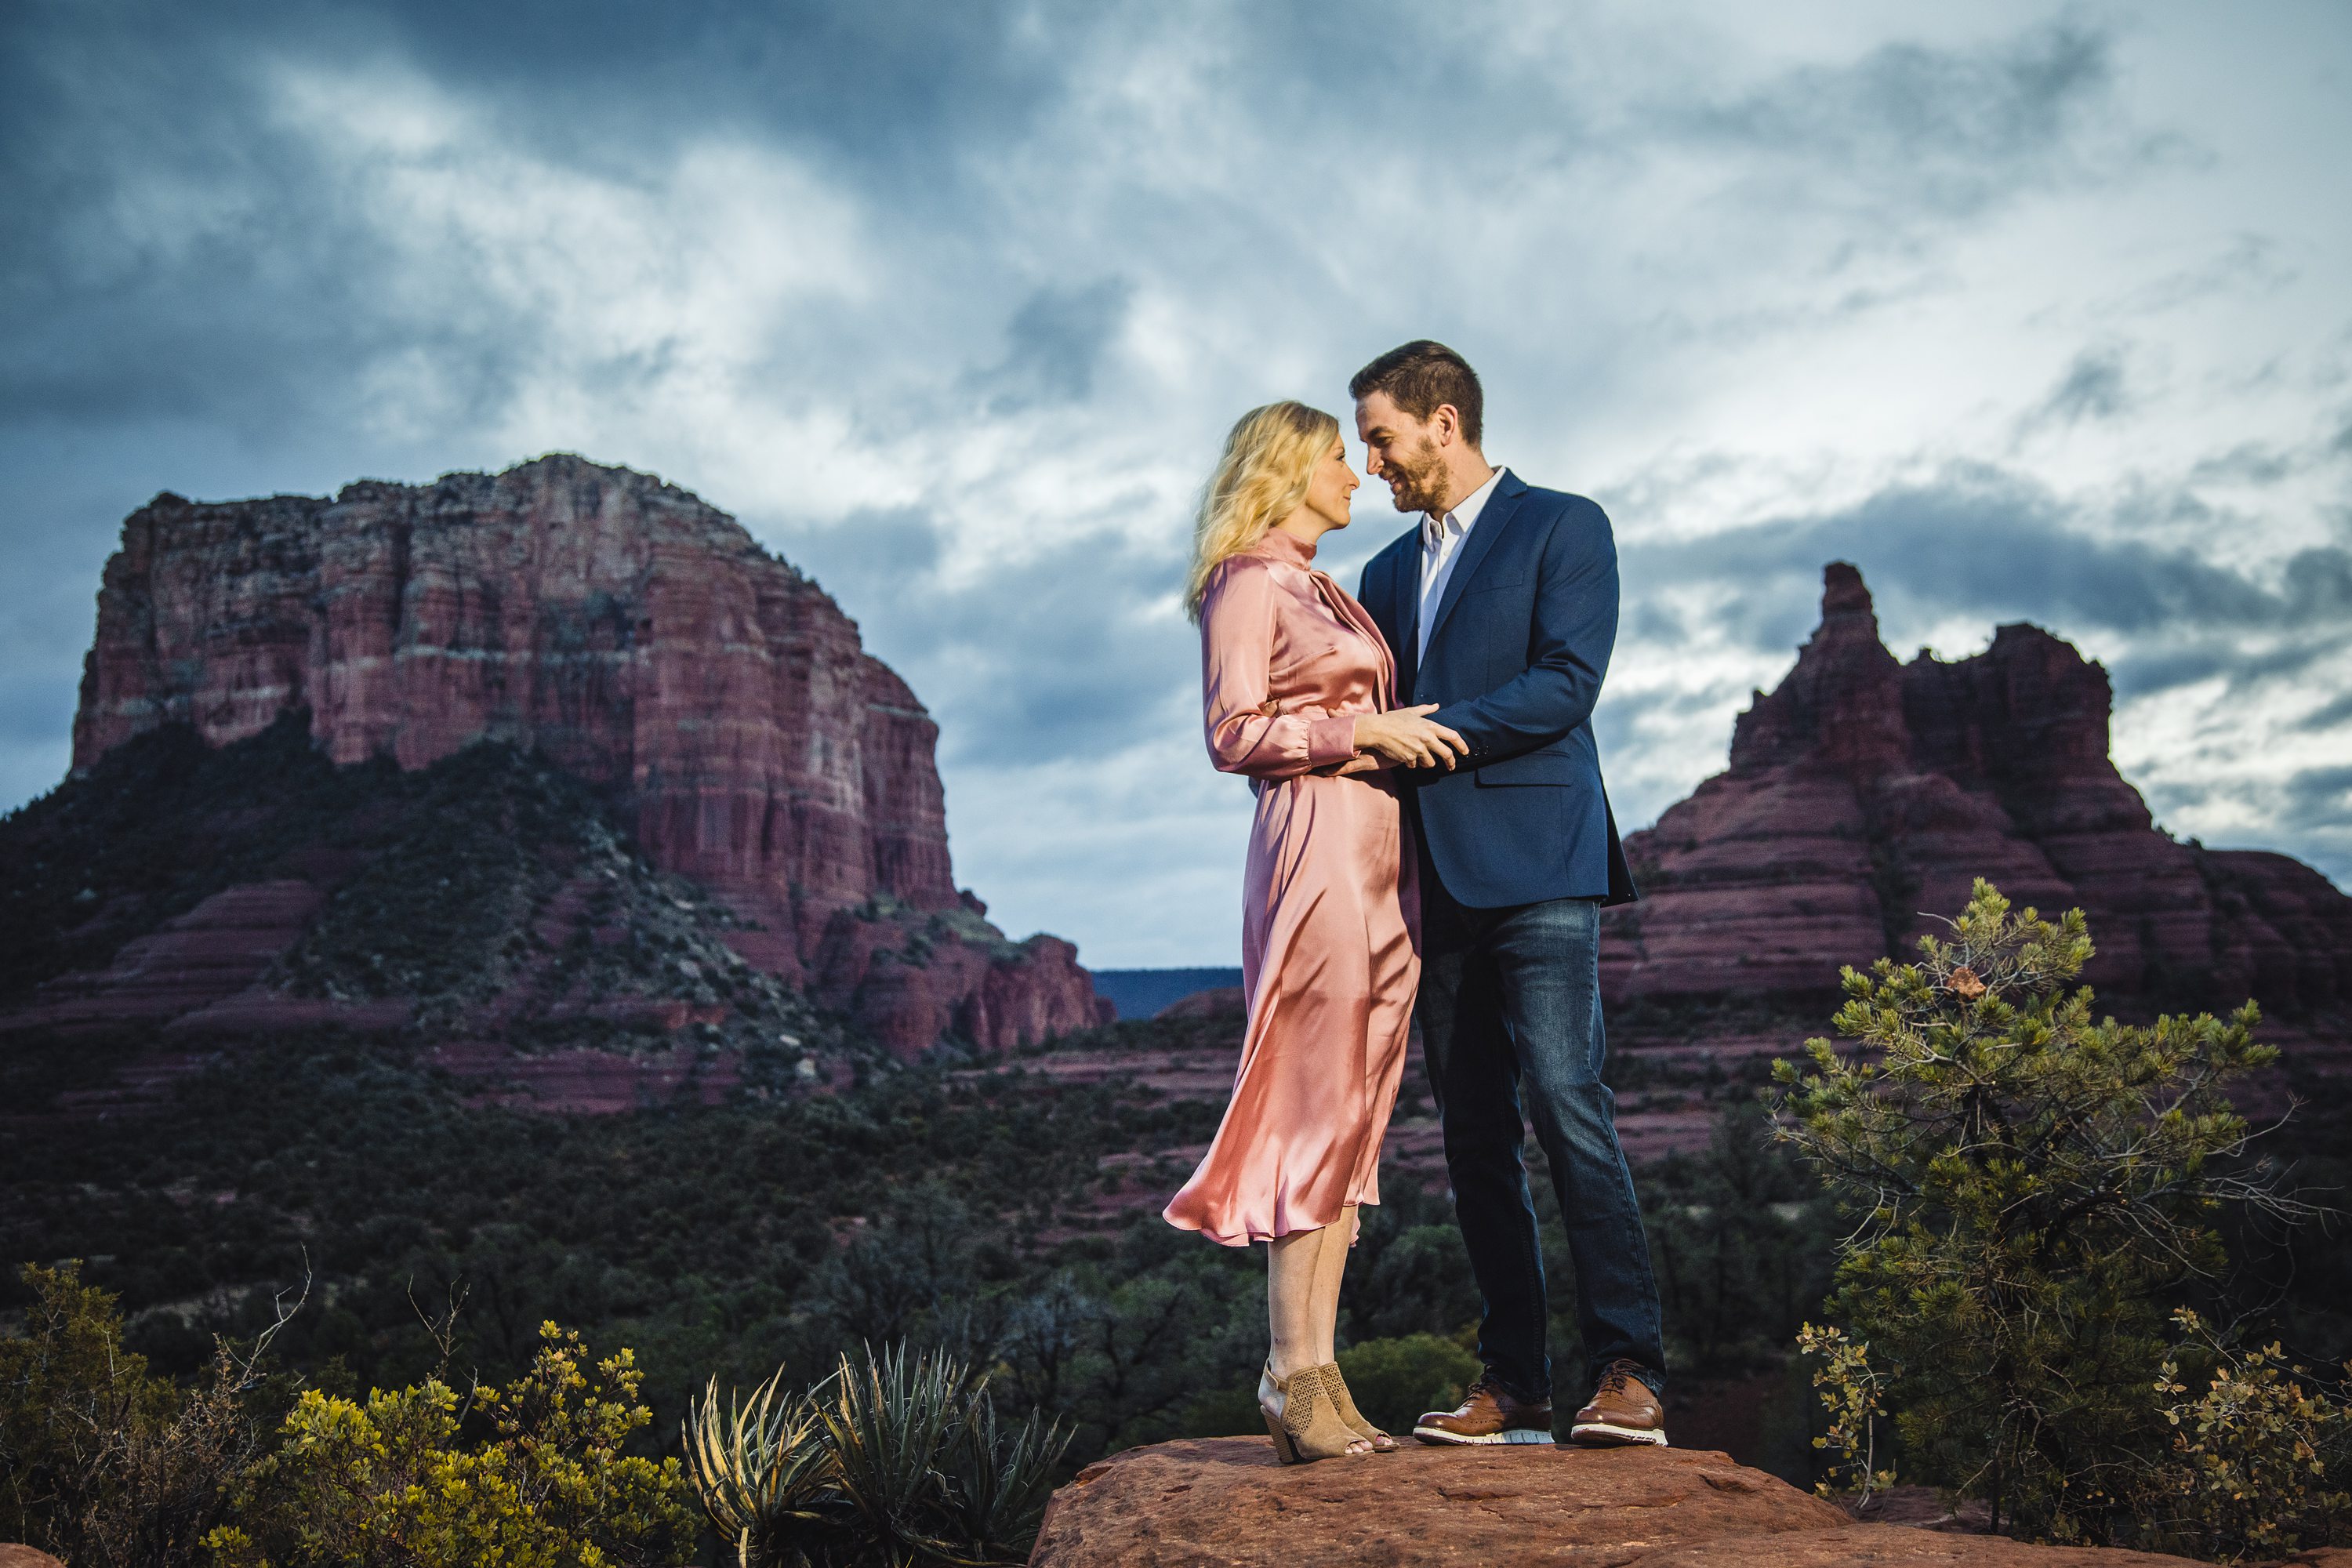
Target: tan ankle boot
x=1309 y=1426
x=1381 y=1441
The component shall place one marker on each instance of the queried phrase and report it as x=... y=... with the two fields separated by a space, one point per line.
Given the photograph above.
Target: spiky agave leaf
x=889 y=1422
x=762 y=1470
x=999 y=1488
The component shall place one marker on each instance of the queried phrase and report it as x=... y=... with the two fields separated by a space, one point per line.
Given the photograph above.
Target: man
x=1502 y=608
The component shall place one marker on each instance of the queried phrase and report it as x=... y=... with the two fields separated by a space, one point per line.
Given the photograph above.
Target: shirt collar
x=1465 y=515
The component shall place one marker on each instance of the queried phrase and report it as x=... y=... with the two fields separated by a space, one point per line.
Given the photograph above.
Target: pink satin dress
x=1330 y=938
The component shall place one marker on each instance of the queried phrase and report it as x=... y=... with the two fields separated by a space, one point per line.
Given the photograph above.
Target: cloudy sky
x=2035 y=312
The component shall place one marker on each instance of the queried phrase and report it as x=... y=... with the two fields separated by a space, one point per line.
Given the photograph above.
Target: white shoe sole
x=1602 y=1434
x=1514 y=1435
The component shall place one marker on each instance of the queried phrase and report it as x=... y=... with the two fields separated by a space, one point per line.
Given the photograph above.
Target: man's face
x=1403 y=451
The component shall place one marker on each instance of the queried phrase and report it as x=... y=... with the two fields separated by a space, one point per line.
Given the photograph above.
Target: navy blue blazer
x=1520 y=643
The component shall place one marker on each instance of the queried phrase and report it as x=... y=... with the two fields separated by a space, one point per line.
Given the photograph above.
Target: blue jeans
x=1510 y=1017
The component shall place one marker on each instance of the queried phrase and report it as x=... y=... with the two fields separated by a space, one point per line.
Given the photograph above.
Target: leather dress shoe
x=1487 y=1415
x=1622 y=1411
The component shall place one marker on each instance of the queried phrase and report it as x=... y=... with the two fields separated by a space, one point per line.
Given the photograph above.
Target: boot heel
x=1309 y=1428
x=1285 y=1450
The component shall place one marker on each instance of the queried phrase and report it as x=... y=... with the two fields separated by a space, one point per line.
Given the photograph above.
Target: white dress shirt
x=1441 y=538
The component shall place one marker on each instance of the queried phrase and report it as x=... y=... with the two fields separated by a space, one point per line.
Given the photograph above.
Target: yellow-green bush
x=2260 y=1461
x=394 y=1480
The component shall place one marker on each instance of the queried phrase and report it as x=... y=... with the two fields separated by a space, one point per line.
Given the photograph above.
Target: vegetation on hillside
x=2034 y=1193
x=492 y=889
x=986 y=1216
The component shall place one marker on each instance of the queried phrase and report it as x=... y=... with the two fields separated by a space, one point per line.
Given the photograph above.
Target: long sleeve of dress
x=1249 y=730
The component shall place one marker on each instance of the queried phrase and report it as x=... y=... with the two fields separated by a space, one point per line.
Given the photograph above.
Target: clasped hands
x=1404 y=738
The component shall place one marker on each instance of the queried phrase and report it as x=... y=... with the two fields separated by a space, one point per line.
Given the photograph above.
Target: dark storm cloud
x=1056 y=341
x=2092 y=388
x=191 y=258
x=197 y=257
x=884 y=85
x=2328 y=716
x=274 y=245
x=1950 y=130
x=2249 y=462
x=1984 y=543
x=611 y=80
x=1051 y=657
x=2320 y=798
x=2163 y=664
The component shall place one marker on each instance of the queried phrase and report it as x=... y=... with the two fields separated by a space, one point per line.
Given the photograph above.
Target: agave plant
x=763 y=1470
x=999 y=1482
x=895 y=1459
x=889 y=1422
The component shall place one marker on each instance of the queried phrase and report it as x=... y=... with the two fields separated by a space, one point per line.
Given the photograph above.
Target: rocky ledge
x=1225 y=1500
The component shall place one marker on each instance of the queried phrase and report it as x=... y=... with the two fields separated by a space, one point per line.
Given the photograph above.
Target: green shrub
x=100 y=1462
x=391 y=1481
x=2261 y=1462
x=1742 y=1243
x=2033 y=1189
x=1394 y=1381
x=1852 y=1391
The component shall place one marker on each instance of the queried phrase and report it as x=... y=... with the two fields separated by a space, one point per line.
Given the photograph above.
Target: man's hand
x=1406 y=737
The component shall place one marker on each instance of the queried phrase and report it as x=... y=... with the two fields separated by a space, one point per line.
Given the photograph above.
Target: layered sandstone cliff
x=1864 y=795
x=635 y=636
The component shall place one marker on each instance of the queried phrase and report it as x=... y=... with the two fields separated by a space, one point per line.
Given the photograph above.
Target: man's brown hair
x=1420 y=375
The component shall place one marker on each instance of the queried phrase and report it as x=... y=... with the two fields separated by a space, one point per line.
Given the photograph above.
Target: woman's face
x=1329 y=487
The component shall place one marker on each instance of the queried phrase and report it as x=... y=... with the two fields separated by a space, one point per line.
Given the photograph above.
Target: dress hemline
x=1254 y=1237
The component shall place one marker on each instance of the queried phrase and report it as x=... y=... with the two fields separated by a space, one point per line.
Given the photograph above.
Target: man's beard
x=1417 y=483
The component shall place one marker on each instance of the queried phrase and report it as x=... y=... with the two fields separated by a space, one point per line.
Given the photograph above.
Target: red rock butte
x=1864 y=795
x=634 y=634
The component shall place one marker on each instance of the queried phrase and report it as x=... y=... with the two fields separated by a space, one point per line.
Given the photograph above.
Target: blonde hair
x=1260 y=478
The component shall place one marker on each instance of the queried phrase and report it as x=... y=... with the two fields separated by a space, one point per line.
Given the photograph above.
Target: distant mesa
x=636 y=638
x=1224 y=1001
x=1149 y=993
x=1864 y=795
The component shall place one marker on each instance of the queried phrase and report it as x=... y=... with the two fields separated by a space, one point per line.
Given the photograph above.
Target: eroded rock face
x=1863 y=797
x=636 y=636
x=1225 y=1500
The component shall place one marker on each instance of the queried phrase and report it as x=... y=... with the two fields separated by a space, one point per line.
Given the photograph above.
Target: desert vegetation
x=877 y=1324
x=2032 y=1192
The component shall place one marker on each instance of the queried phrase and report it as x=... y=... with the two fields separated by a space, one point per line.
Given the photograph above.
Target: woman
x=1297 y=684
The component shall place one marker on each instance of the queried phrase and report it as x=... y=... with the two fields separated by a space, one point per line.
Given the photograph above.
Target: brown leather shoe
x=1622 y=1411
x=1487 y=1415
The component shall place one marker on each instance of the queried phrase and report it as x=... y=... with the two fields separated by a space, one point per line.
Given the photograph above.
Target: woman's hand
x=1406 y=738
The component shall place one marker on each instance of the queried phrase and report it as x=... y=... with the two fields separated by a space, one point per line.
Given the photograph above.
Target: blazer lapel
x=1404 y=614
x=1477 y=547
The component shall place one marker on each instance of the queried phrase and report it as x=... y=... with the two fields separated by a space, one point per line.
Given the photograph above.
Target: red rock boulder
x=1225 y=1500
